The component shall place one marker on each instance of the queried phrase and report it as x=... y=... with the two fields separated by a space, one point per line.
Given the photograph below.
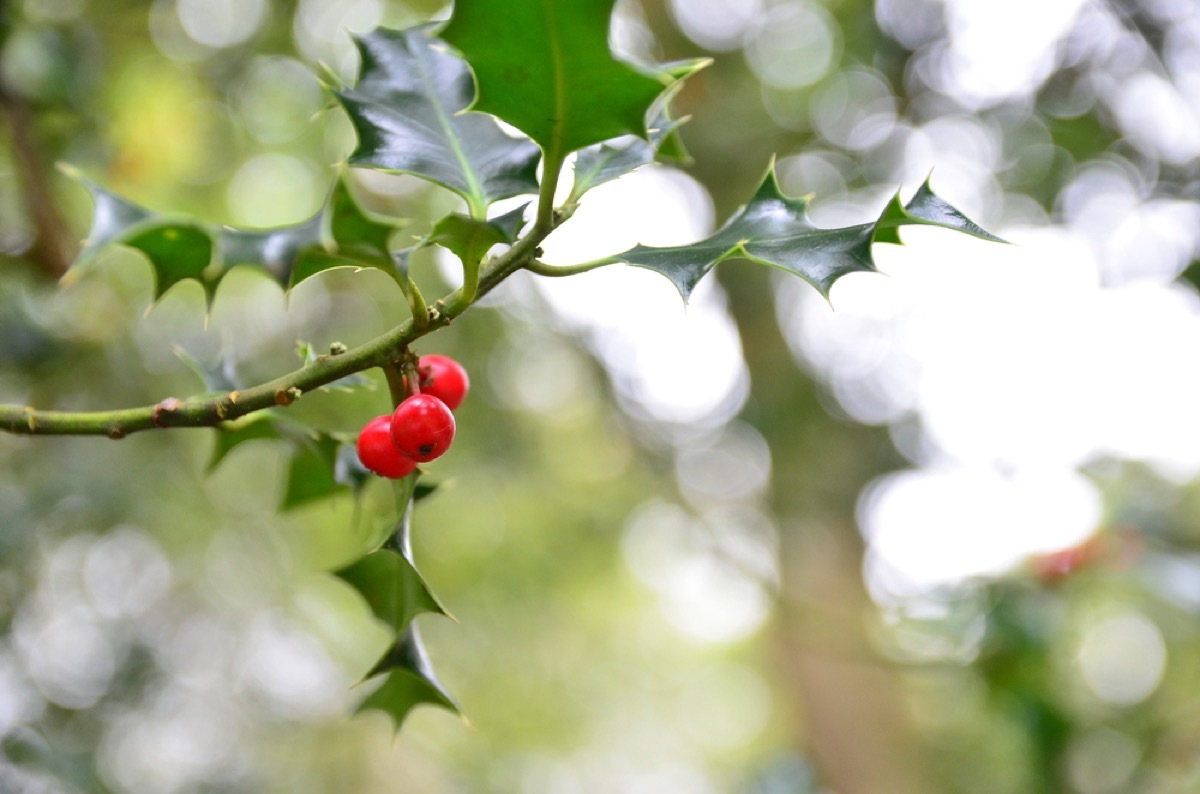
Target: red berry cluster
x=422 y=426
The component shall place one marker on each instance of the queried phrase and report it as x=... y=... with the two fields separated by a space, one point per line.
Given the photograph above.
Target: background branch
x=51 y=250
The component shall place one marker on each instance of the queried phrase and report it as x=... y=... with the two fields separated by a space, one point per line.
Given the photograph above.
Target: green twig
x=542 y=269
x=551 y=168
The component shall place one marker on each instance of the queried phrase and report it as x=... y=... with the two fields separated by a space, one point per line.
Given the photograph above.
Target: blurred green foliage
x=166 y=629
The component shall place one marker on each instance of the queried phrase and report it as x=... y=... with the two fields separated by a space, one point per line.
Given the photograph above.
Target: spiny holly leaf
x=409 y=681
x=544 y=66
x=392 y=587
x=925 y=207
x=604 y=162
x=388 y=580
x=774 y=230
x=407 y=109
x=275 y=250
x=359 y=239
x=177 y=249
x=469 y=239
x=670 y=147
x=340 y=235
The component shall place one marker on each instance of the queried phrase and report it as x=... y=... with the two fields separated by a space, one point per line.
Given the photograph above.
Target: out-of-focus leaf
x=469 y=239
x=340 y=235
x=216 y=377
x=774 y=230
x=230 y=435
x=360 y=239
x=408 y=109
x=275 y=250
x=546 y=68
x=321 y=463
x=311 y=473
x=409 y=681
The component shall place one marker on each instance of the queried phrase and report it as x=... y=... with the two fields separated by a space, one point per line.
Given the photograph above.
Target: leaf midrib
x=477 y=199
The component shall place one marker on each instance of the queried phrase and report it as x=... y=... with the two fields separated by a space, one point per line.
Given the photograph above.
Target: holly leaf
x=340 y=235
x=231 y=435
x=359 y=239
x=469 y=238
x=604 y=162
x=389 y=582
x=320 y=463
x=925 y=207
x=387 y=578
x=392 y=587
x=774 y=230
x=408 y=681
x=545 y=67
x=408 y=110
x=219 y=376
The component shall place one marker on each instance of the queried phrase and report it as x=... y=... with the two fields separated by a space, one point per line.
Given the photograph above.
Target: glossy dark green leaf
x=926 y=207
x=387 y=578
x=544 y=66
x=774 y=230
x=408 y=110
x=408 y=681
x=392 y=587
x=604 y=162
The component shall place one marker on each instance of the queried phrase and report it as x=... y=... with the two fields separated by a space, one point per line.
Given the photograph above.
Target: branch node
x=287 y=396
x=168 y=406
x=116 y=433
x=233 y=397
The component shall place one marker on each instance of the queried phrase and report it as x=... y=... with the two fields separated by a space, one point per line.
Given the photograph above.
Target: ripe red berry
x=422 y=427
x=444 y=378
x=378 y=452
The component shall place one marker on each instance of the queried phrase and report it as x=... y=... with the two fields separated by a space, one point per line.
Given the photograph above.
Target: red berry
x=378 y=452
x=422 y=427
x=444 y=378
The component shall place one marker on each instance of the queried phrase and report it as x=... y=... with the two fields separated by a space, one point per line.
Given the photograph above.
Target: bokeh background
x=938 y=534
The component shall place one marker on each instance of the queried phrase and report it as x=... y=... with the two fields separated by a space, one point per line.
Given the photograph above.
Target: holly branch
x=385 y=350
